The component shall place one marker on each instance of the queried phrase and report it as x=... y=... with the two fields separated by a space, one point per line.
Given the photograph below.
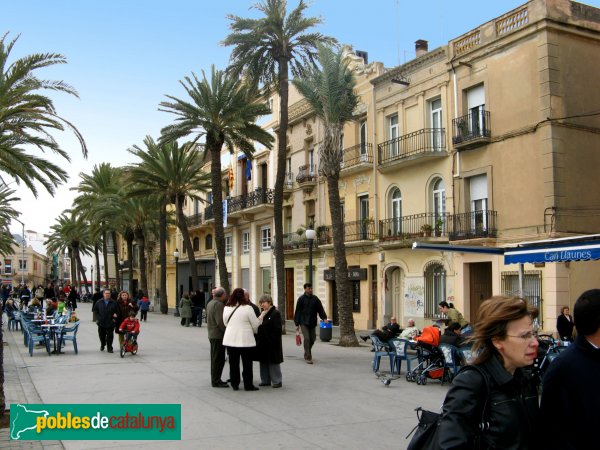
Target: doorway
x=289 y=294
x=480 y=289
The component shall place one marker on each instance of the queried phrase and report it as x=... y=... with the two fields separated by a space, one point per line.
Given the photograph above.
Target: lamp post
x=310 y=238
x=22 y=252
x=121 y=262
x=176 y=256
x=92 y=276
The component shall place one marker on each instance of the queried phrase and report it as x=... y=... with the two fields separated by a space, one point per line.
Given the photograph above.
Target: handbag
x=298 y=338
x=425 y=432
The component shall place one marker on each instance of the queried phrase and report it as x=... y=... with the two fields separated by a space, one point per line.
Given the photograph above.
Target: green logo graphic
x=95 y=422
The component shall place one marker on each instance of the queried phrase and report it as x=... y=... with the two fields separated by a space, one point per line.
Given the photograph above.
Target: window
x=22 y=264
x=311 y=161
x=396 y=210
x=265 y=238
x=266 y=280
x=362 y=137
x=208 y=242
x=365 y=222
x=245 y=279
x=479 y=203
x=310 y=214
x=8 y=267
x=246 y=242
x=476 y=109
x=438 y=202
x=435 y=288
x=228 y=245
x=355 y=296
x=196 y=207
x=532 y=287
x=289 y=176
x=196 y=244
x=393 y=134
x=435 y=107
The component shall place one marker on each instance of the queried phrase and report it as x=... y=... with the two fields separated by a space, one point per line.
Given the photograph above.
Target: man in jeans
x=216 y=331
x=305 y=317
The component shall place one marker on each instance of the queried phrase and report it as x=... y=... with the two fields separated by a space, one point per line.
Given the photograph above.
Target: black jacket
x=451 y=338
x=570 y=398
x=104 y=313
x=307 y=308
x=564 y=327
x=269 y=348
x=512 y=409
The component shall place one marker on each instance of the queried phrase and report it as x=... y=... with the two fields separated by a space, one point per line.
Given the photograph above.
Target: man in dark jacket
x=216 y=331
x=305 y=317
x=570 y=397
x=106 y=314
x=198 y=301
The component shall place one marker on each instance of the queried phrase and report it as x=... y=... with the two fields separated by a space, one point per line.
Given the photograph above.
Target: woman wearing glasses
x=496 y=396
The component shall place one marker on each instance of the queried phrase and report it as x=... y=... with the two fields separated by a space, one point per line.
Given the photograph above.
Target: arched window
x=435 y=288
x=396 y=212
x=196 y=244
x=208 y=242
x=438 y=205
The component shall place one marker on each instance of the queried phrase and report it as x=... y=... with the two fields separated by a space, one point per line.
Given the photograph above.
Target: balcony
x=196 y=221
x=295 y=241
x=307 y=177
x=288 y=185
x=422 y=225
x=472 y=130
x=357 y=158
x=425 y=144
x=208 y=213
x=360 y=230
x=250 y=203
x=473 y=225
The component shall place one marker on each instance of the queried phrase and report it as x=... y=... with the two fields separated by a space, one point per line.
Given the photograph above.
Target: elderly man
x=216 y=331
x=410 y=332
x=388 y=331
x=106 y=315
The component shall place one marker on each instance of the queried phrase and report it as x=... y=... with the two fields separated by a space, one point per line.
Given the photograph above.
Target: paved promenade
x=335 y=403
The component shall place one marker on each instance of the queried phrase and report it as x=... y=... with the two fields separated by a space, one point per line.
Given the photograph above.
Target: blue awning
x=571 y=251
x=457 y=248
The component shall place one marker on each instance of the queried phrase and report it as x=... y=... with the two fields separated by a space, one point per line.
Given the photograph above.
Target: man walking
x=216 y=331
x=571 y=396
x=305 y=317
x=106 y=314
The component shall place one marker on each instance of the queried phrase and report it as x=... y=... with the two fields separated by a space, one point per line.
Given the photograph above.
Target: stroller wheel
x=408 y=377
x=122 y=351
x=418 y=380
x=423 y=379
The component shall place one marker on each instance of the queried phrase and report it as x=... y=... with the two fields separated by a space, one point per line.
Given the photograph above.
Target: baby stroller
x=431 y=359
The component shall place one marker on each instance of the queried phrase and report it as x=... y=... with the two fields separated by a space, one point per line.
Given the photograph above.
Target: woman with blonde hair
x=496 y=396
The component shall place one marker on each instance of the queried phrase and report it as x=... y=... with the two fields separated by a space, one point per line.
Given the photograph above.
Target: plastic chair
x=381 y=349
x=65 y=336
x=14 y=319
x=38 y=336
x=450 y=358
x=401 y=354
x=467 y=354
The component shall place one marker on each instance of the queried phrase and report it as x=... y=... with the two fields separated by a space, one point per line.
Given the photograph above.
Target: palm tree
x=7 y=213
x=265 y=50
x=27 y=118
x=330 y=91
x=223 y=111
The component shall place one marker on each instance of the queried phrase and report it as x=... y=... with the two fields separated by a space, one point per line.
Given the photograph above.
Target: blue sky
x=125 y=55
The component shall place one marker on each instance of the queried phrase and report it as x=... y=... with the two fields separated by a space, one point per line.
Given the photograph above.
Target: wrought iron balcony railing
x=208 y=213
x=307 y=173
x=413 y=226
x=471 y=128
x=427 y=140
x=195 y=220
x=292 y=241
x=289 y=180
x=361 y=153
x=472 y=225
x=260 y=196
x=360 y=230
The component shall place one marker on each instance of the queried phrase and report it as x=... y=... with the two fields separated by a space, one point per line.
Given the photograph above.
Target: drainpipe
x=455 y=88
x=381 y=284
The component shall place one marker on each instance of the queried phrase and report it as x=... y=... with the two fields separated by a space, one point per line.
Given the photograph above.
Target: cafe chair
x=69 y=334
x=381 y=349
x=38 y=336
x=401 y=354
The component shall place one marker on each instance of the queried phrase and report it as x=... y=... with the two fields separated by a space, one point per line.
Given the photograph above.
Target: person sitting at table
x=61 y=303
x=130 y=326
x=51 y=307
x=452 y=335
x=410 y=332
x=34 y=305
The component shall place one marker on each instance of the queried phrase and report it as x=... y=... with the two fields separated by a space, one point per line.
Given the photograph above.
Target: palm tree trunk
x=73 y=274
x=130 y=263
x=164 y=305
x=105 y=257
x=141 y=244
x=2 y=398
x=187 y=243
x=97 y=257
x=215 y=170
x=81 y=271
x=116 y=260
x=279 y=182
x=343 y=292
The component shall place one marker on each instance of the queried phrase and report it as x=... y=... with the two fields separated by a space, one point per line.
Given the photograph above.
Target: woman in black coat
x=564 y=325
x=269 y=348
x=496 y=392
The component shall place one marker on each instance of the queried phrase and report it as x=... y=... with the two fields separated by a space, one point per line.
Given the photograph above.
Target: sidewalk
x=337 y=402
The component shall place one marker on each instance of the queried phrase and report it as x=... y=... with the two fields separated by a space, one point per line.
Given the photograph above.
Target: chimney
x=421 y=47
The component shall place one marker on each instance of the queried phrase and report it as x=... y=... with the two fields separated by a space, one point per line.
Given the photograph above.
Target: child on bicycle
x=131 y=327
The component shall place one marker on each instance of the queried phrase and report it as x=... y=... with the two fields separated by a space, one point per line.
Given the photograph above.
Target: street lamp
x=92 y=276
x=310 y=238
x=23 y=253
x=121 y=262
x=176 y=256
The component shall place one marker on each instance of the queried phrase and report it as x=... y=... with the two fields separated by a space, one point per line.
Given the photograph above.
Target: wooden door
x=480 y=275
x=289 y=294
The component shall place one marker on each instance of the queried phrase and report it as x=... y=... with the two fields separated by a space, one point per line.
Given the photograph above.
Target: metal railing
x=360 y=230
x=426 y=140
x=472 y=126
x=195 y=220
x=472 y=225
x=415 y=225
x=306 y=173
x=293 y=241
x=260 y=196
x=357 y=154
x=208 y=213
x=289 y=180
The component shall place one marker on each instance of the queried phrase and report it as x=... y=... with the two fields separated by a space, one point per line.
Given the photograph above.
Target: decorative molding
x=362 y=179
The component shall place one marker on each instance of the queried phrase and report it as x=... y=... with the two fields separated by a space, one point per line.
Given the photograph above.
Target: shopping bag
x=298 y=338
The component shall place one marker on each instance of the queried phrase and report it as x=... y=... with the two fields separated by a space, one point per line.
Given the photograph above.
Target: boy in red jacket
x=130 y=326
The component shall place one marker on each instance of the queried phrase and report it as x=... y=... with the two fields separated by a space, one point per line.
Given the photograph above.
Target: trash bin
x=326 y=330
